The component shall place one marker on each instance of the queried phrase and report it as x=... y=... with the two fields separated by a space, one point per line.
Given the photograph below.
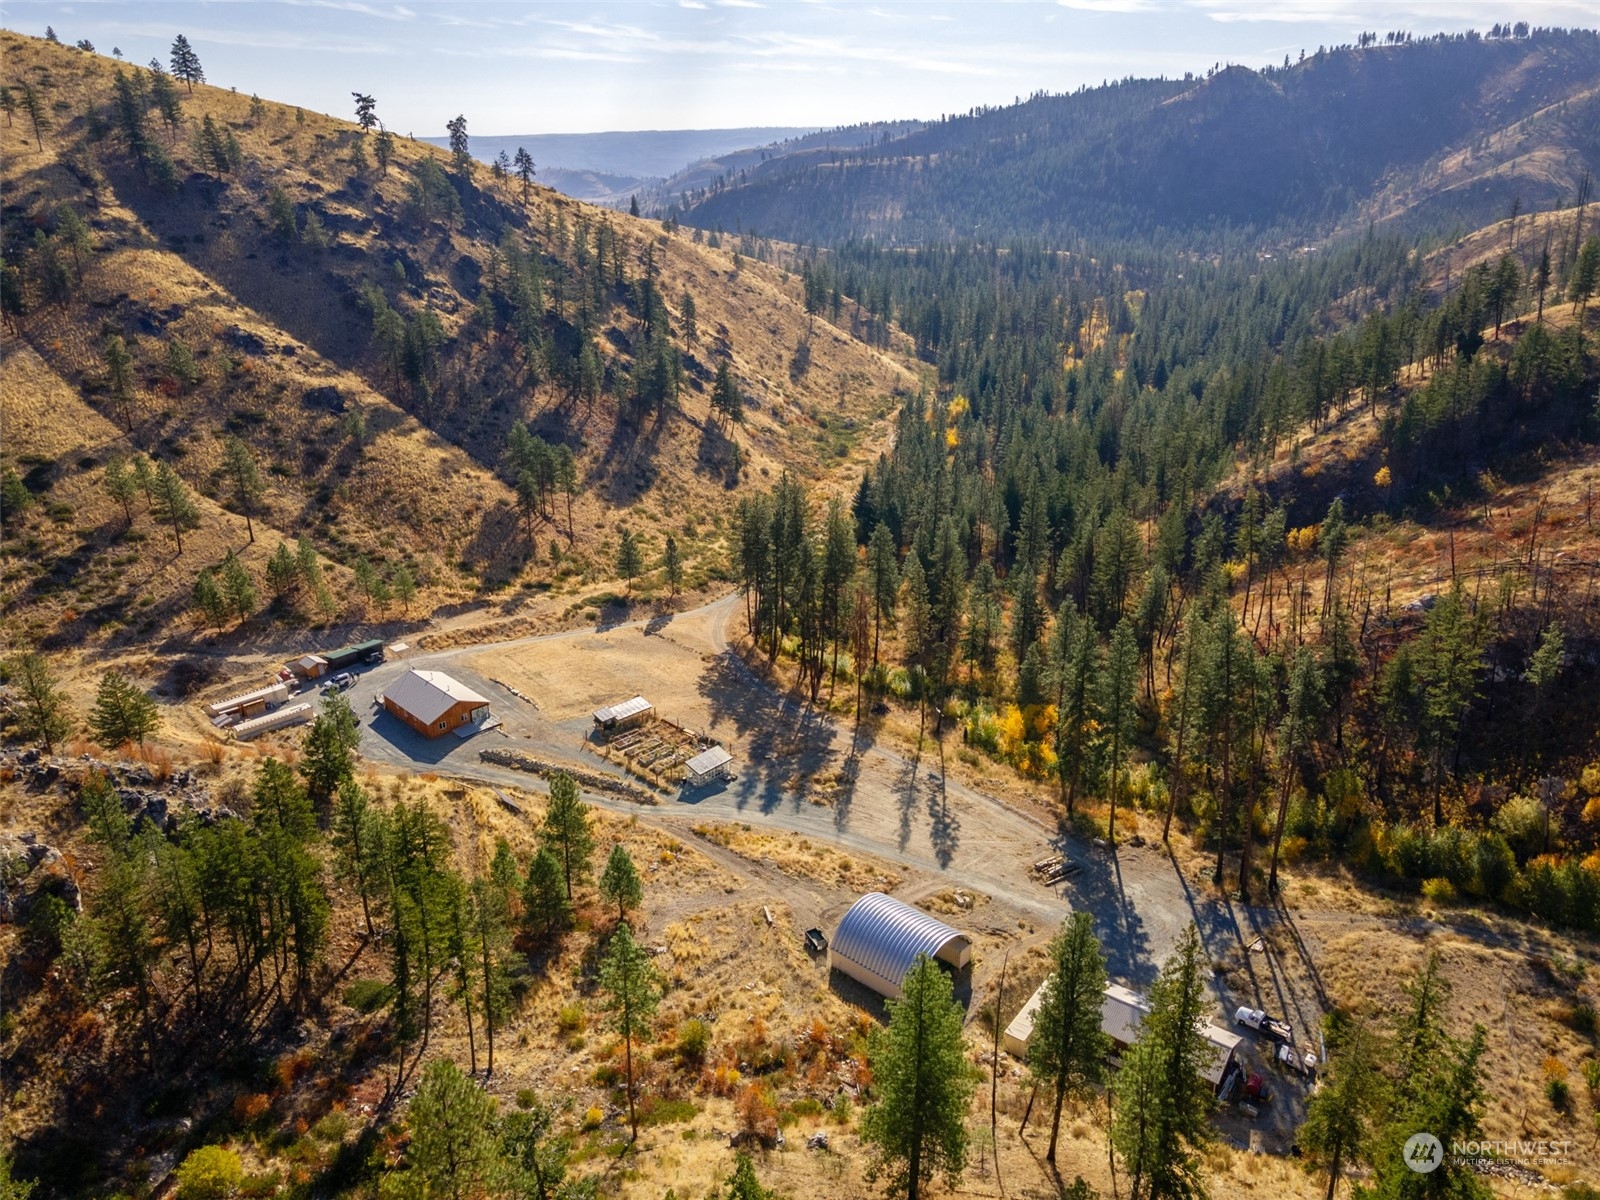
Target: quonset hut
x=878 y=941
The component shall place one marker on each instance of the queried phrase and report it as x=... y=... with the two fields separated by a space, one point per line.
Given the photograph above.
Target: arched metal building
x=879 y=939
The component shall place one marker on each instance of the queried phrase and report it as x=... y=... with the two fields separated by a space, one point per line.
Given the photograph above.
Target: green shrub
x=658 y=1110
x=1438 y=891
x=367 y=995
x=571 y=1019
x=694 y=1039
x=1559 y=1094
x=210 y=1173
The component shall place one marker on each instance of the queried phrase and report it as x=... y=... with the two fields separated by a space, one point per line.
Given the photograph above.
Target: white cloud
x=1107 y=6
x=691 y=4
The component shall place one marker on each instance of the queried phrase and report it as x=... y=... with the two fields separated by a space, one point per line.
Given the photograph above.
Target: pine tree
x=1163 y=1116
x=1343 y=1111
x=283 y=573
x=743 y=1184
x=122 y=712
x=883 y=573
x=181 y=364
x=383 y=149
x=536 y=1157
x=404 y=586
x=366 y=112
x=244 y=479
x=633 y=993
x=357 y=835
x=207 y=598
x=1117 y=709
x=924 y=1084
x=1068 y=1050
x=545 y=906
x=120 y=485
x=119 y=376
x=72 y=233
x=460 y=154
x=453 y=1152
x=630 y=561
x=38 y=115
x=171 y=504
x=186 y=63
x=329 y=748
x=281 y=215
x=672 y=565
x=238 y=588
x=42 y=711
x=522 y=165
x=619 y=882
x=566 y=830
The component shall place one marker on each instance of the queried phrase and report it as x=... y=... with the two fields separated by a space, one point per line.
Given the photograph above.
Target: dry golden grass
x=801 y=858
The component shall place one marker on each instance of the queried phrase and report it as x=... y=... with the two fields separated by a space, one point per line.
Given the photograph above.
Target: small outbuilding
x=707 y=766
x=308 y=666
x=293 y=714
x=879 y=939
x=628 y=715
x=1121 y=1013
x=354 y=655
x=250 y=704
x=432 y=703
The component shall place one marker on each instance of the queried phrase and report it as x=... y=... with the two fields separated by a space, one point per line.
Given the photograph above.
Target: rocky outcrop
x=593 y=780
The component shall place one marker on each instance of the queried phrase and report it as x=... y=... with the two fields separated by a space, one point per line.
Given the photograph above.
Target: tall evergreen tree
x=453 y=1152
x=1162 y=1123
x=171 y=504
x=1344 y=1110
x=329 y=749
x=42 y=709
x=633 y=993
x=186 y=63
x=1068 y=1049
x=1117 y=709
x=244 y=480
x=918 y=1127
x=566 y=830
x=122 y=712
x=619 y=882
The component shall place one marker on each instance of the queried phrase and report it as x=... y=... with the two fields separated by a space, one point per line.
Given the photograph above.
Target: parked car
x=342 y=682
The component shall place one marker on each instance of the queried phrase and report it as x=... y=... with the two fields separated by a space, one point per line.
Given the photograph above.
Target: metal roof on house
x=428 y=695
x=621 y=712
x=884 y=936
x=1121 y=1011
x=708 y=760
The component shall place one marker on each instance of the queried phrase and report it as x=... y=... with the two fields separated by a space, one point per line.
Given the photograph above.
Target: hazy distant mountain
x=1439 y=131
x=622 y=158
x=661 y=165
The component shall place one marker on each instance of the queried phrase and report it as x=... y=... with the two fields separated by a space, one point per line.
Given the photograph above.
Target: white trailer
x=251 y=703
x=295 y=714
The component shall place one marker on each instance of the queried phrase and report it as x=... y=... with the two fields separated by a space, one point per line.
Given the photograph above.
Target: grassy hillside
x=394 y=450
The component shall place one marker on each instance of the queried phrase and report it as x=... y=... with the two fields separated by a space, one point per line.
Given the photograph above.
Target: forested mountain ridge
x=370 y=320
x=1445 y=131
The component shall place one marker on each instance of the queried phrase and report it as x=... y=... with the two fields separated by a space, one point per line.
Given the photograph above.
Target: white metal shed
x=879 y=939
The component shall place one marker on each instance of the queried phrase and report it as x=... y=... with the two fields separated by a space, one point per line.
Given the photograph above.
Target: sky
x=515 y=68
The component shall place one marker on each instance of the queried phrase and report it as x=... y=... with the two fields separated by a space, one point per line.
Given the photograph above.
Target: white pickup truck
x=1257 y=1019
